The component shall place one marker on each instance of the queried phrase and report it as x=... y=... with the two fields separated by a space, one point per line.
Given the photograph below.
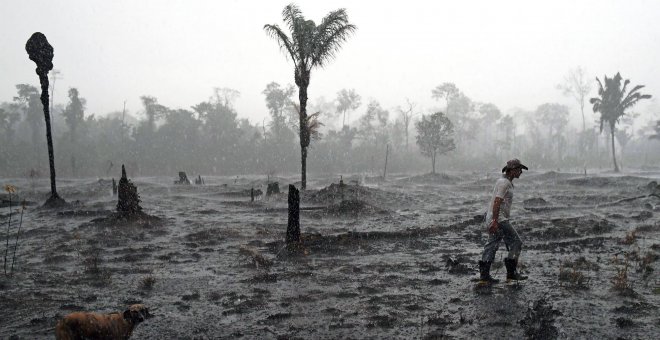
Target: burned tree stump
x=183 y=178
x=293 y=227
x=273 y=188
x=199 y=180
x=129 y=200
x=114 y=187
x=251 y=194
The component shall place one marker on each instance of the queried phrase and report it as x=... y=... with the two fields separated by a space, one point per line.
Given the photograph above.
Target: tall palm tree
x=613 y=102
x=309 y=46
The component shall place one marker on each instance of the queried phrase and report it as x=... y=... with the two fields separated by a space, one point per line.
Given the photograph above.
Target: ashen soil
x=396 y=259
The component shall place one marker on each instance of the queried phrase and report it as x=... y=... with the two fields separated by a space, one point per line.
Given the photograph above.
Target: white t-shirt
x=503 y=189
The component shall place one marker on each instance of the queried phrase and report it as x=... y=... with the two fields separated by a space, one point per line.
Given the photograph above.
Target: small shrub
x=194 y=296
x=572 y=277
x=147 y=282
x=620 y=282
x=214 y=296
x=630 y=238
x=92 y=262
x=92 y=266
x=644 y=263
x=77 y=244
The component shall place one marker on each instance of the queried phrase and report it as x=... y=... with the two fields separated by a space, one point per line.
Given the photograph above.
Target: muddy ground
x=396 y=259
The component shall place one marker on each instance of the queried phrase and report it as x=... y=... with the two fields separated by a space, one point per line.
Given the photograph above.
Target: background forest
x=211 y=138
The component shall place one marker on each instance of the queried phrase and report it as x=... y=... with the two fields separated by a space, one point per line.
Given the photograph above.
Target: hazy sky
x=510 y=53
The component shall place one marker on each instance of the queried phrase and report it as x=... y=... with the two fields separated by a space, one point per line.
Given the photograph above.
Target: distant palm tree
x=612 y=103
x=309 y=46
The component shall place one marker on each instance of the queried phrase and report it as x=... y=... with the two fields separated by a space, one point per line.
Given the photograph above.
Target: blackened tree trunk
x=49 y=136
x=303 y=168
x=41 y=52
x=293 y=227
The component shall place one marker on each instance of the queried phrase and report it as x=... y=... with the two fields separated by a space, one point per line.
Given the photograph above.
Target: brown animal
x=113 y=326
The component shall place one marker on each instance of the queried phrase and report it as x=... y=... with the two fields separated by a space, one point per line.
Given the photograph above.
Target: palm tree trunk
x=304 y=132
x=303 y=169
x=616 y=167
x=51 y=157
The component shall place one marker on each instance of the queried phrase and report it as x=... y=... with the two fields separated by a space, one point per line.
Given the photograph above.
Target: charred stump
x=183 y=178
x=273 y=188
x=129 y=200
x=251 y=194
x=293 y=227
x=199 y=180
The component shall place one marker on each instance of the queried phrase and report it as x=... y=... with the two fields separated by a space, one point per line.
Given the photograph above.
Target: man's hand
x=492 y=227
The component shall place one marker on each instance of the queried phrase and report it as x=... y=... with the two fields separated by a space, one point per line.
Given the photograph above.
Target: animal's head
x=136 y=313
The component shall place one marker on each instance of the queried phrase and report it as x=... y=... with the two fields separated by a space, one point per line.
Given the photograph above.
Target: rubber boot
x=484 y=272
x=511 y=272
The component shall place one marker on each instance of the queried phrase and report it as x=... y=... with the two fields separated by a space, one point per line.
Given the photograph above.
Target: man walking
x=499 y=226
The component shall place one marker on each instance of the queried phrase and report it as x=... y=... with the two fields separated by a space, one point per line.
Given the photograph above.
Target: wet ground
x=394 y=259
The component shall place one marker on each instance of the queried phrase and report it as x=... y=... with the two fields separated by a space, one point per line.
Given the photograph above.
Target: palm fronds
x=314 y=125
x=310 y=45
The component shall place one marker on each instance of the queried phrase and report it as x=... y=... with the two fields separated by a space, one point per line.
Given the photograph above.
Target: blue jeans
x=511 y=239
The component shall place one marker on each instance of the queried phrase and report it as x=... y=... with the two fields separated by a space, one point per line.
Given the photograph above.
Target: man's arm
x=492 y=228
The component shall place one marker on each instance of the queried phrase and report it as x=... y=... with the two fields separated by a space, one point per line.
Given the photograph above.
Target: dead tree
x=293 y=227
x=41 y=52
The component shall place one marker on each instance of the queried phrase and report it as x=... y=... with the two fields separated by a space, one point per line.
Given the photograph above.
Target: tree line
x=210 y=137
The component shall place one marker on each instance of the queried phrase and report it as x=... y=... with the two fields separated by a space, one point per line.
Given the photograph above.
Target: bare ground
x=395 y=259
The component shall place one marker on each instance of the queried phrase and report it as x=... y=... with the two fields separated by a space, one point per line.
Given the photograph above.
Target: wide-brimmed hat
x=514 y=164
